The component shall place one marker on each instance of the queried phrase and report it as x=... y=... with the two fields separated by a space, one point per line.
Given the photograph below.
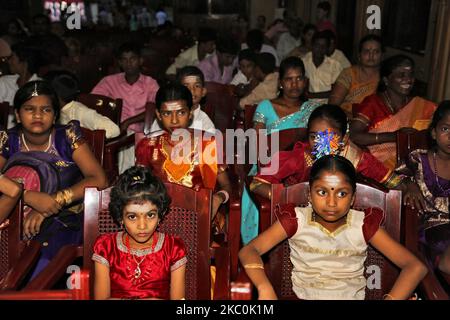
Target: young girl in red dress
x=140 y=262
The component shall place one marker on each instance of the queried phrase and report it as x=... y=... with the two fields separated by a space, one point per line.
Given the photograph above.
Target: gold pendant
x=137 y=272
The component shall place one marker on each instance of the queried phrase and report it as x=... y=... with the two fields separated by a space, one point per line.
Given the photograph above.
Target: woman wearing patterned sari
x=287 y=111
x=54 y=164
x=359 y=81
x=378 y=118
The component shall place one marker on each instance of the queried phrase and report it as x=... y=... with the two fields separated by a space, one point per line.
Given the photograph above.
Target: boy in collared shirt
x=321 y=70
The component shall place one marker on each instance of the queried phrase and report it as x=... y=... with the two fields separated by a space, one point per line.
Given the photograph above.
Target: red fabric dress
x=295 y=166
x=168 y=254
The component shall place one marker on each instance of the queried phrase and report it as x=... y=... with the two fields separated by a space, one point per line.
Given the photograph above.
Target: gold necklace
x=28 y=149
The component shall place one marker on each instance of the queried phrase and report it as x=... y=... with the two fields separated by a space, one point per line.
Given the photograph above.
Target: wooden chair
x=81 y=293
x=188 y=217
x=224 y=102
x=279 y=267
x=106 y=106
x=410 y=142
x=286 y=140
x=17 y=256
x=96 y=140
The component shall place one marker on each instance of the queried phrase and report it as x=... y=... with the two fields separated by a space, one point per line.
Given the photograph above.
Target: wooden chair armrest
x=222 y=283
x=120 y=142
x=57 y=267
x=234 y=230
x=18 y=271
x=242 y=287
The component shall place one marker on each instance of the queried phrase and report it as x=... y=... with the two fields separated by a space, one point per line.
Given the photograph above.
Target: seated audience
x=55 y=165
x=220 y=66
x=66 y=86
x=255 y=42
x=135 y=89
x=267 y=78
x=361 y=80
x=191 y=57
x=321 y=70
x=23 y=64
x=291 y=39
x=377 y=119
x=192 y=78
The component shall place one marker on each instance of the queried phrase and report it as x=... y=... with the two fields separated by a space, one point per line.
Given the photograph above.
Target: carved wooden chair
x=17 y=256
x=188 y=217
x=279 y=266
x=106 y=106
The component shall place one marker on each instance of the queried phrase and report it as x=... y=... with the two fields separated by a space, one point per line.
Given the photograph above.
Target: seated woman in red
x=181 y=155
x=294 y=166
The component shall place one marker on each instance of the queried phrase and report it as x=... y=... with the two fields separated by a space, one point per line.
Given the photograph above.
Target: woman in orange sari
x=378 y=118
x=361 y=80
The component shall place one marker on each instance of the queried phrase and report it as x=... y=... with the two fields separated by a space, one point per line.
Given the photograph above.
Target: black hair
x=442 y=110
x=29 y=54
x=65 y=84
x=28 y=91
x=309 y=26
x=41 y=16
x=173 y=92
x=227 y=44
x=330 y=35
x=291 y=63
x=325 y=6
x=206 y=34
x=133 y=47
x=255 y=39
x=190 y=71
x=371 y=37
x=333 y=114
x=388 y=66
x=247 y=54
x=320 y=35
x=138 y=184
x=266 y=62
x=333 y=164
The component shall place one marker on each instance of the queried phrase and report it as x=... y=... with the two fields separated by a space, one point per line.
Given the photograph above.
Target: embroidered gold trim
x=333 y=234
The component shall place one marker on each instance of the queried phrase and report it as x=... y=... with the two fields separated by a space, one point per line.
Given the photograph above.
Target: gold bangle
x=388 y=296
x=64 y=197
x=254 y=266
